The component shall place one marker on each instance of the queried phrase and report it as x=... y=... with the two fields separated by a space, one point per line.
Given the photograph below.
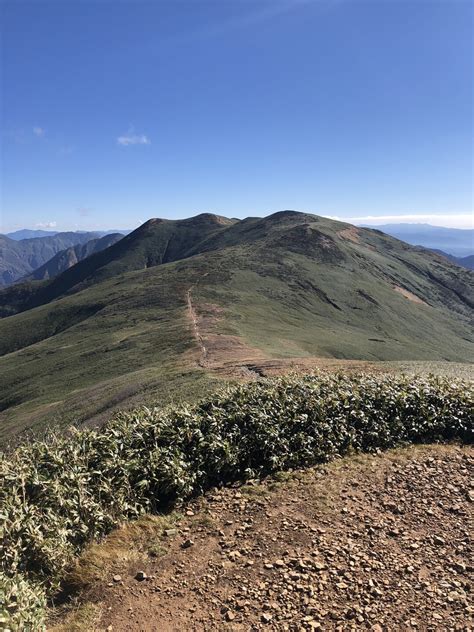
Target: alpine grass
x=57 y=496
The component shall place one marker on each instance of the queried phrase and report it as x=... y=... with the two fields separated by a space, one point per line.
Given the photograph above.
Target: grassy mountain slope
x=19 y=258
x=65 y=259
x=155 y=242
x=287 y=286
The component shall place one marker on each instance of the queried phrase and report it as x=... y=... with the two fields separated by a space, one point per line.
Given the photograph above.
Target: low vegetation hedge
x=56 y=496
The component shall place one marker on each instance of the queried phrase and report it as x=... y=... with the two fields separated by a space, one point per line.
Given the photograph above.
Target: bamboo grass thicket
x=57 y=496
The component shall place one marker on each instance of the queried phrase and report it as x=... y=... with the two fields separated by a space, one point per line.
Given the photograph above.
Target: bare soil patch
x=409 y=295
x=224 y=354
x=351 y=234
x=231 y=357
x=376 y=543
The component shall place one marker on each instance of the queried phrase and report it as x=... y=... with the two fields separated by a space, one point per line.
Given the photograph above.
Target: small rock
x=117 y=578
x=266 y=617
x=229 y=615
x=169 y=532
x=140 y=576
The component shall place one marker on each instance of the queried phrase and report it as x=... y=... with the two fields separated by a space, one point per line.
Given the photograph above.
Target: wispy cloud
x=39 y=131
x=46 y=225
x=131 y=138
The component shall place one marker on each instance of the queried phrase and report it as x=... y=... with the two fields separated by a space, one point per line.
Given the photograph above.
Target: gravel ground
x=370 y=543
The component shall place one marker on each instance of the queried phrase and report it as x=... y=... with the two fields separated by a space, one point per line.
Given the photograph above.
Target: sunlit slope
x=96 y=350
x=291 y=285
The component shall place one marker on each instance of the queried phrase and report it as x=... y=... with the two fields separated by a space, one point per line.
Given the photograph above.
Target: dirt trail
x=194 y=319
x=375 y=543
x=222 y=353
x=231 y=357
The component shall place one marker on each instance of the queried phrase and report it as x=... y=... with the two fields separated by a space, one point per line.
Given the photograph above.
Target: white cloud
x=46 y=225
x=449 y=220
x=39 y=131
x=133 y=139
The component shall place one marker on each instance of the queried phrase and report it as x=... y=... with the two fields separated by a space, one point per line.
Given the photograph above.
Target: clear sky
x=114 y=112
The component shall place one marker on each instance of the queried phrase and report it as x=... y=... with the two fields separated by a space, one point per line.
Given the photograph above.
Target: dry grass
x=101 y=560
x=84 y=618
x=118 y=549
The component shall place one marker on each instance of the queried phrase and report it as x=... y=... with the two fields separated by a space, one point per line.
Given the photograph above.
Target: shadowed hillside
x=156 y=242
x=20 y=257
x=67 y=258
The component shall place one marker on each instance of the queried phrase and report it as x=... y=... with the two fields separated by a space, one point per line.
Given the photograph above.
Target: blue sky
x=114 y=112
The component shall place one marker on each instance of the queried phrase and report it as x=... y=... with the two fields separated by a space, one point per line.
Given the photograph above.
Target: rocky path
x=373 y=543
x=194 y=320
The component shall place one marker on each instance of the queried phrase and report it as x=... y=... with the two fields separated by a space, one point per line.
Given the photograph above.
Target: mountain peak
x=210 y=218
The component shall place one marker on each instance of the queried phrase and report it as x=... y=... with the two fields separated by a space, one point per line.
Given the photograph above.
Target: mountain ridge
x=67 y=258
x=260 y=295
x=19 y=258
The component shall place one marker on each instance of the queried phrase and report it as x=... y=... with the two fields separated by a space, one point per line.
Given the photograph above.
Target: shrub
x=21 y=605
x=56 y=496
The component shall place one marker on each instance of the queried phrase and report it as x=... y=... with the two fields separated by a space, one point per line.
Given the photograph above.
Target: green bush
x=56 y=496
x=21 y=605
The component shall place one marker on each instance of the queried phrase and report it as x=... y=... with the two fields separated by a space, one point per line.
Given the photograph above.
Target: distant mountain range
x=26 y=233
x=20 y=259
x=67 y=258
x=177 y=303
x=465 y=262
x=454 y=241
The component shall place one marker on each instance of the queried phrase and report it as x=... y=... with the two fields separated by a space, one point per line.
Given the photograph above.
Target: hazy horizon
x=362 y=221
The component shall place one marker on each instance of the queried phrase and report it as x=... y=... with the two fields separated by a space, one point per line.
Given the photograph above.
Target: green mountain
x=19 y=258
x=156 y=242
x=67 y=258
x=178 y=305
